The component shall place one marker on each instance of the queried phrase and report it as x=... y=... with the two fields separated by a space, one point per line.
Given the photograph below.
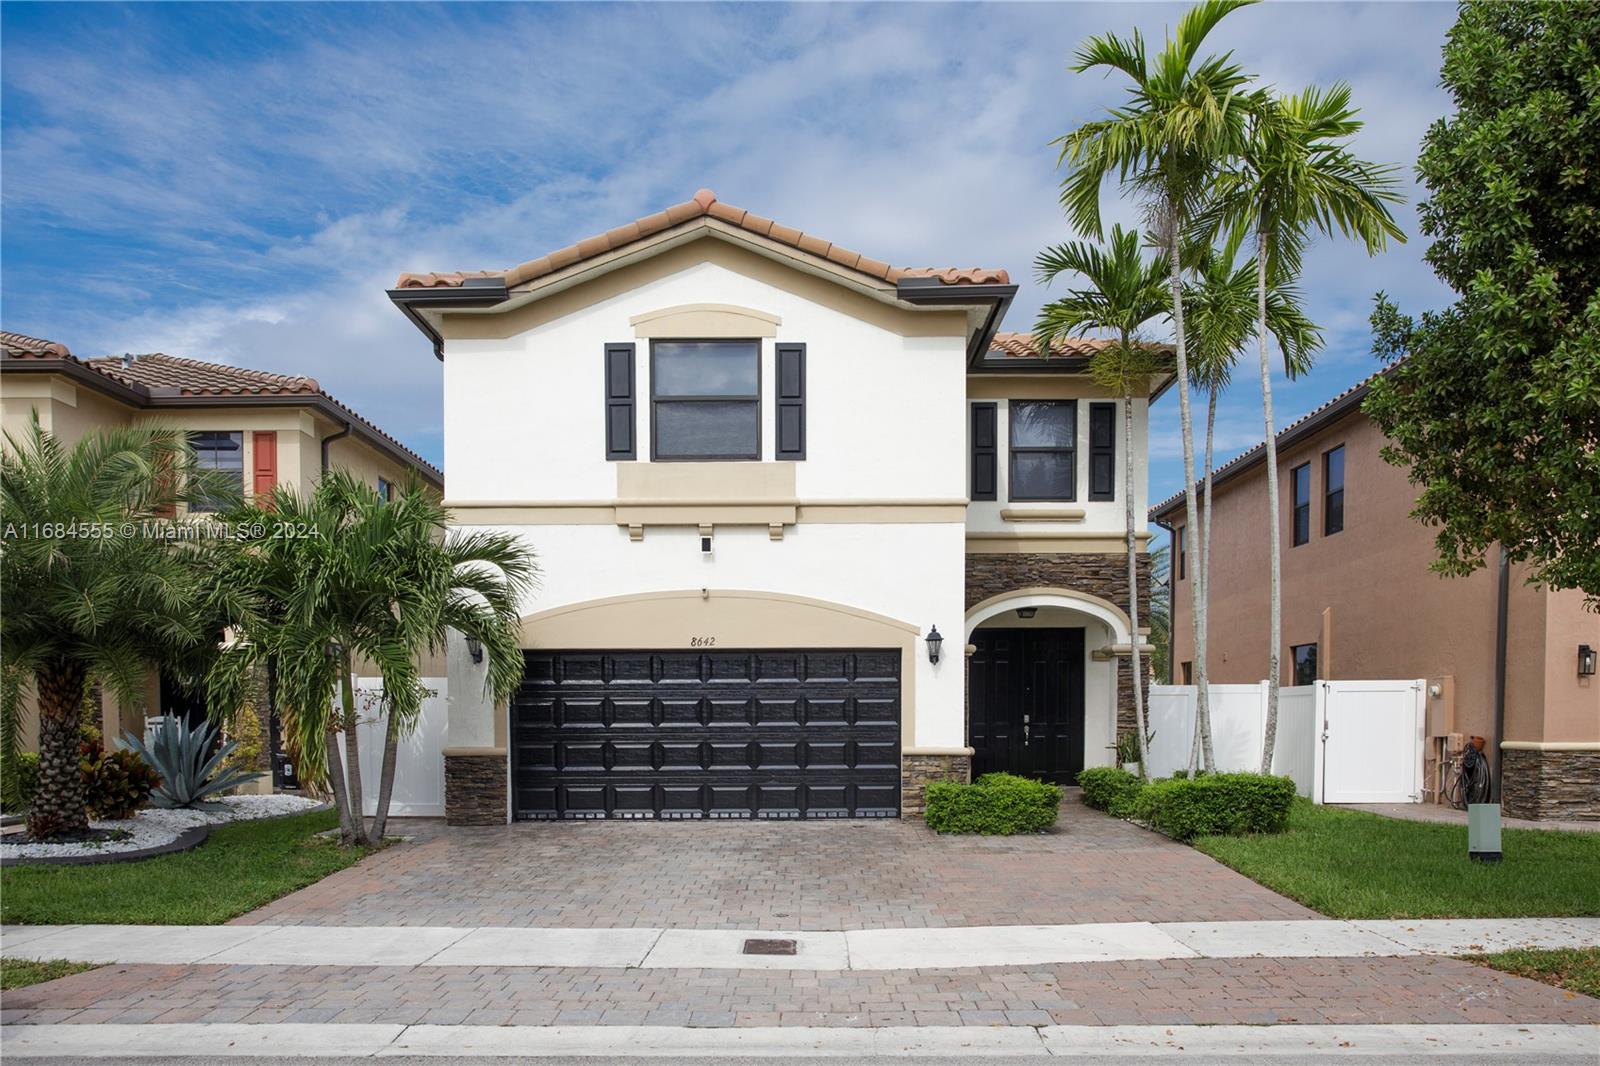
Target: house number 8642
x=702 y=642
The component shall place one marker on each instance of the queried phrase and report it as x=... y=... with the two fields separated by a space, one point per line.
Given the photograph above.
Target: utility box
x=1483 y=832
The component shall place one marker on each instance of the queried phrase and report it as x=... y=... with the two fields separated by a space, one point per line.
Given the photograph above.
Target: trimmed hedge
x=1216 y=805
x=994 y=804
x=1110 y=789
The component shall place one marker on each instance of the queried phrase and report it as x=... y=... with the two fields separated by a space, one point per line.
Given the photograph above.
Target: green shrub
x=25 y=768
x=115 y=783
x=994 y=804
x=1110 y=789
x=1216 y=805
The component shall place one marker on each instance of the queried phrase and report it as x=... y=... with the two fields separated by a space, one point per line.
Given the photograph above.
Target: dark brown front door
x=1025 y=703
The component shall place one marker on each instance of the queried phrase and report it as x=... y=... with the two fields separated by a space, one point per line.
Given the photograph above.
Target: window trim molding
x=1328 y=493
x=655 y=454
x=1295 y=506
x=1012 y=451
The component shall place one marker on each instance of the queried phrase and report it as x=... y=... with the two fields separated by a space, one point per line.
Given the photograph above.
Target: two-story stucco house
x=813 y=532
x=257 y=428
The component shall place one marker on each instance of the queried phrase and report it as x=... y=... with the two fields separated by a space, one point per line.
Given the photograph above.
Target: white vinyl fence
x=1341 y=741
x=419 y=759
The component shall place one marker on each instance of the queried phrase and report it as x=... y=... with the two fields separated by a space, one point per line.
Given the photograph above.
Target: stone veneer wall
x=1550 y=784
x=1102 y=574
x=917 y=771
x=475 y=789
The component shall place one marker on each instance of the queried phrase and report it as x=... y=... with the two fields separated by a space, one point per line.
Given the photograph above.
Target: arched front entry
x=1042 y=682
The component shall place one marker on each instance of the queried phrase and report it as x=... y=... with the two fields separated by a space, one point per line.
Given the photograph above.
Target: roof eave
x=931 y=292
x=472 y=293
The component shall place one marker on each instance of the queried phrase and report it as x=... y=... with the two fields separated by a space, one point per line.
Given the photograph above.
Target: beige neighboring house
x=1359 y=603
x=264 y=429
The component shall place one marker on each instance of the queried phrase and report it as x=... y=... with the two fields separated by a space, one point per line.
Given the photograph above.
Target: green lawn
x=20 y=973
x=1574 y=969
x=237 y=869
x=1348 y=864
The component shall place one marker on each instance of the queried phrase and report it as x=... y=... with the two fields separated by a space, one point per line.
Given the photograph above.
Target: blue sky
x=240 y=183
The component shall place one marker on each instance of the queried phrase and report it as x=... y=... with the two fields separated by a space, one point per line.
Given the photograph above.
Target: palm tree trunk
x=1274 y=537
x=352 y=751
x=1204 y=590
x=391 y=746
x=1133 y=584
x=1191 y=528
x=336 y=781
x=57 y=810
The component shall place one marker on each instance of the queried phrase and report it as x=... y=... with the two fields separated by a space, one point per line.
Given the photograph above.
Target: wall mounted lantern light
x=1586 y=657
x=1027 y=612
x=935 y=642
x=475 y=649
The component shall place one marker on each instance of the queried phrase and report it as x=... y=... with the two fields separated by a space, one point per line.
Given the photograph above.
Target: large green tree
x=1120 y=294
x=1181 y=118
x=95 y=585
x=1493 y=404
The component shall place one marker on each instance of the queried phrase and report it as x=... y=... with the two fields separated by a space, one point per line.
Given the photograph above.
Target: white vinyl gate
x=1341 y=741
x=419 y=758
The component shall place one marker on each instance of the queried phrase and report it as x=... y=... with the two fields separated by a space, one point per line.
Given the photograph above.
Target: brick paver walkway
x=1175 y=992
x=779 y=875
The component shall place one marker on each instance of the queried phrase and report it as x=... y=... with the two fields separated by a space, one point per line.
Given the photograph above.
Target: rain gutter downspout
x=328 y=440
x=1502 y=610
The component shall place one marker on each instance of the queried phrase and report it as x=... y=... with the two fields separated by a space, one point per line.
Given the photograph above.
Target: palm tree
x=1123 y=294
x=1165 y=143
x=90 y=588
x=1296 y=176
x=1221 y=304
x=376 y=582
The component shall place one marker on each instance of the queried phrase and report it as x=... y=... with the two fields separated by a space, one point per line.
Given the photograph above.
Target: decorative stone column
x=1550 y=783
x=475 y=786
x=920 y=766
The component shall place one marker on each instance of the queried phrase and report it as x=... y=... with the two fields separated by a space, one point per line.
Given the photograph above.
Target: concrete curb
x=291 y=1040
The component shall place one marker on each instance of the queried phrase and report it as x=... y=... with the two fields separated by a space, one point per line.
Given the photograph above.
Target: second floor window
x=1043 y=457
x=221 y=451
x=1333 y=490
x=1300 y=502
x=385 y=489
x=1183 y=553
x=1303 y=658
x=705 y=400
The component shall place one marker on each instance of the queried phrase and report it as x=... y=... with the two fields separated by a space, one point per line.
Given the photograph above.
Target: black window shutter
x=985 y=456
x=791 y=434
x=620 y=419
x=1102 y=451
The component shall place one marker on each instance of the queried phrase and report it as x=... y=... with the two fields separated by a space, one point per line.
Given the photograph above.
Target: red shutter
x=265 y=444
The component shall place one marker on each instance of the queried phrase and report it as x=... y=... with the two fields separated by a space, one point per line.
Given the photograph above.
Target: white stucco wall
x=524 y=416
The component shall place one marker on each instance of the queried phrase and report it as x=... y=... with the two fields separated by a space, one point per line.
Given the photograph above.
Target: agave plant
x=190 y=771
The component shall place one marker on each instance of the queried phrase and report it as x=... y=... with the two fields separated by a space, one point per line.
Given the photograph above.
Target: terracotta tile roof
x=191 y=377
x=705 y=204
x=22 y=346
x=1023 y=346
x=1307 y=423
x=175 y=376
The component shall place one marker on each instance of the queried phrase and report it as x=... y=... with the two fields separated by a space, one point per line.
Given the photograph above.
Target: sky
x=241 y=183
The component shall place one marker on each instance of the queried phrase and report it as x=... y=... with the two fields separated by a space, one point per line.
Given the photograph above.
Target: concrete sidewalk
x=863 y=949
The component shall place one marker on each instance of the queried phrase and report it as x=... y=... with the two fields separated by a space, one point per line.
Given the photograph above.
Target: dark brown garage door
x=716 y=734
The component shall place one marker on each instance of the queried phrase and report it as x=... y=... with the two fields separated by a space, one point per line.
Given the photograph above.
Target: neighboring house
x=261 y=429
x=1359 y=602
x=763 y=476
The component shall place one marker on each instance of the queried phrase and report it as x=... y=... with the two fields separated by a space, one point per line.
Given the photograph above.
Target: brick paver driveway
x=866 y=874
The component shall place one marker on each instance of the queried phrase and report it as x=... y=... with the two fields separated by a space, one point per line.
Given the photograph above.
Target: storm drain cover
x=769 y=947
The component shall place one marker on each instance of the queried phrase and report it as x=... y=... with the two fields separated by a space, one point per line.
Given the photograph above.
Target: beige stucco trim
x=1042 y=514
x=926 y=750
x=1050 y=596
x=604 y=278
x=662 y=511
x=1055 y=386
x=732 y=618
x=1550 y=745
x=1026 y=541
x=705 y=320
x=463 y=752
x=692 y=482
